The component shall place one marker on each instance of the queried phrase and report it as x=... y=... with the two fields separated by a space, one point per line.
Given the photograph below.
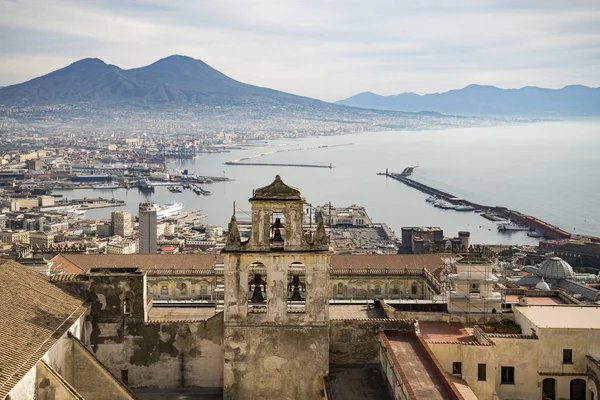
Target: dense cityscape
x=170 y=232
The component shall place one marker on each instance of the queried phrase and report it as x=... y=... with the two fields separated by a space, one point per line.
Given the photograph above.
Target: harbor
x=510 y=220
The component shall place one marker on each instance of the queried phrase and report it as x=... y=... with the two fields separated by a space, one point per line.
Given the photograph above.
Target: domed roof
x=555 y=268
x=542 y=285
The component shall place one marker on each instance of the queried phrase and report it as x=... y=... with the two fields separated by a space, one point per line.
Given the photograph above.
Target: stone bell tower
x=276 y=301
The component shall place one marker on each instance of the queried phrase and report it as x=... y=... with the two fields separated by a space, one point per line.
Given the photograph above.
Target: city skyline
x=385 y=47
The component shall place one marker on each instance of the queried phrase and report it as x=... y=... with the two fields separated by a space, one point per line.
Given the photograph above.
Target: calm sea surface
x=550 y=170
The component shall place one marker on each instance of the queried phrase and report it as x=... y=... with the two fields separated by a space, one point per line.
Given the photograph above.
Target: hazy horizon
x=325 y=50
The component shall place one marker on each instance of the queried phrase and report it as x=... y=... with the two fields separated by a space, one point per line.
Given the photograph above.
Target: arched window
x=164 y=290
x=296 y=287
x=340 y=289
x=183 y=290
x=414 y=289
x=127 y=306
x=257 y=287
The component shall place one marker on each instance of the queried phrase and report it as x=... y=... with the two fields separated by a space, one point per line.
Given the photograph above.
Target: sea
x=550 y=170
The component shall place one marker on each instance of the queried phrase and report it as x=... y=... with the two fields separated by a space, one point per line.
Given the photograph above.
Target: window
x=340 y=288
x=567 y=356
x=127 y=306
x=481 y=372
x=164 y=290
x=457 y=368
x=183 y=289
x=507 y=376
x=414 y=288
x=125 y=376
x=474 y=288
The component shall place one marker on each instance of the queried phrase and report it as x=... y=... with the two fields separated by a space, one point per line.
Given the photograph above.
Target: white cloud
x=324 y=49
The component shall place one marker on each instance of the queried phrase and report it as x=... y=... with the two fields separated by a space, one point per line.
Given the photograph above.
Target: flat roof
x=436 y=332
x=535 y=301
x=354 y=311
x=574 y=317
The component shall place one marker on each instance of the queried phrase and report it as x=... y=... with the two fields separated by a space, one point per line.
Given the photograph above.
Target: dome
x=555 y=268
x=542 y=285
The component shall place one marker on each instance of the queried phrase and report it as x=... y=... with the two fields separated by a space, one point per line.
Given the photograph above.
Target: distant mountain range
x=175 y=79
x=489 y=100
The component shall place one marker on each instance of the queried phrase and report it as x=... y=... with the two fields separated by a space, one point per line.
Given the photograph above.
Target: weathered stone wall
x=277 y=353
x=388 y=287
x=275 y=363
x=158 y=355
x=356 y=341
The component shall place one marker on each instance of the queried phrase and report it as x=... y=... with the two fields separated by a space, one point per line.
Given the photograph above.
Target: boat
x=146 y=186
x=509 y=226
x=105 y=186
x=174 y=189
x=167 y=210
x=431 y=199
x=465 y=208
x=535 y=234
x=447 y=206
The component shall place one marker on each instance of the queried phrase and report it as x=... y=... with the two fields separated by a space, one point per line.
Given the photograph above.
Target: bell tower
x=276 y=311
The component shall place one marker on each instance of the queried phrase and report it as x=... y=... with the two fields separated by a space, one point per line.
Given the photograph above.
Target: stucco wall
x=357 y=341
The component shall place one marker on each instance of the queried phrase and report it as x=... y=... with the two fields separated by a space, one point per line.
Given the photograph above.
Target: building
x=122 y=246
x=353 y=215
x=41 y=240
x=43 y=356
x=147 y=226
x=13 y=237
x=55 y=227
x=276 y=301
x=122 y=223
x=264 y=320
x=554 y=272
x=46 y=201
x=34 y=165
x=471 y=288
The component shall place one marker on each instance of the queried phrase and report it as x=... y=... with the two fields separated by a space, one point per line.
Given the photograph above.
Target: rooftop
x=445 y=332
x=572 y=317
x=357 y=311
x=277 y=191
x=34 y=314
x=534 y=300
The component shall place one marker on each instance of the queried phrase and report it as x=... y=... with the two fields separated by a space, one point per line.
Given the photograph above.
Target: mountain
x=489 y=100
x=175 y=79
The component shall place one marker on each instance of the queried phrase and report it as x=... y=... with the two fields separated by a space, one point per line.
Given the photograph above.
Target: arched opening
x=296 y=288
x=577 y=389
x=128 y=303
x=257 y=287
x=549 y=389
x=414 y=289
x=183 y=289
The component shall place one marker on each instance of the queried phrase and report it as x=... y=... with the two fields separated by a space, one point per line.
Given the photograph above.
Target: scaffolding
x=470 y=284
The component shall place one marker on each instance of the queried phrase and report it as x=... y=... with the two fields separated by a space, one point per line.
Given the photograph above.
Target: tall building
x=122 y=223
x=276 y=301
x=147 y=220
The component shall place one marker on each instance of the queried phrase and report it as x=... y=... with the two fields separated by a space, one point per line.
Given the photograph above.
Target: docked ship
x=167 y=210
x=105 y=186
x=509 y=226
x=465 y=208
x=146 y=186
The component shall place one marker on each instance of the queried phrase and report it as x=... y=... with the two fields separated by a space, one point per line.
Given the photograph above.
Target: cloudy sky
x=328 y=49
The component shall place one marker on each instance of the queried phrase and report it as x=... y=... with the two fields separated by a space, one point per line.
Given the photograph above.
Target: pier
x=549 y=231
x=235 y=162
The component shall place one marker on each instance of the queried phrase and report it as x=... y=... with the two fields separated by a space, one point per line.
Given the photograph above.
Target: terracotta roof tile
x=34 y=314
x=392 y=261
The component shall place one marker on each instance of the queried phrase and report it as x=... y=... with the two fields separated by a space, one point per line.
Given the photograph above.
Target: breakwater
x=549 y=231
x=279 y=164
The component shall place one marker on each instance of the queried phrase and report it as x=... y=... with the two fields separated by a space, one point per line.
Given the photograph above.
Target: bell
x=257 y=296
x=296 y=289
x=277 y=238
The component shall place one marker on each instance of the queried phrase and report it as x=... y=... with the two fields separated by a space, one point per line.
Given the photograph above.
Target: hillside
x=489 y=100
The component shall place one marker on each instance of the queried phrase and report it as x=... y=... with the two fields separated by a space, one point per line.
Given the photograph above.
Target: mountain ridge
x=476 y=99
x=173 y=79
